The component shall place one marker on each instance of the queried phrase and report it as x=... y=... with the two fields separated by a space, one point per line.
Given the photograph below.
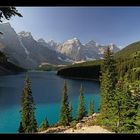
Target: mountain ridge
x=24 y=51
x=127 y=60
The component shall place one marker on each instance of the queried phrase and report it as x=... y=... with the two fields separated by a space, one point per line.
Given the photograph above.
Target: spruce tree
x=108 y=81
x=44 y=125
x=125 y=109
x=27 y=111
x=136 y=92
x=81 y=106
x=64 y=112
x=130 y=106
x=91 y=107
x=119 y=110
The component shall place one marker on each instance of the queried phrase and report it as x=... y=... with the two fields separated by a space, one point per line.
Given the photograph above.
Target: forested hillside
x=127 y=51
x=128 y=59
x=90 y=70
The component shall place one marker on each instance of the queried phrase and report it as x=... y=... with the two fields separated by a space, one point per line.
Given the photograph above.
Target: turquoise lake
x=47 y=89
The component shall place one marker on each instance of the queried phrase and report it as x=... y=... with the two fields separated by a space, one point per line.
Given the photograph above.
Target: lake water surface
x=47 y=89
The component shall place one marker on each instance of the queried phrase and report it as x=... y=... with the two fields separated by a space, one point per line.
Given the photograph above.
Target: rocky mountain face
x=23 y=50
x=78 y=51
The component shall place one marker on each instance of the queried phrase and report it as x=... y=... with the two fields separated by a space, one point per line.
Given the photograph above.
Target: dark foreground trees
x=65 y=110
x=81 y=105
x=91 y=107
x=44 y=124
x=108 y=81
x=120 y=102
x=28 y=122
x=7 y=12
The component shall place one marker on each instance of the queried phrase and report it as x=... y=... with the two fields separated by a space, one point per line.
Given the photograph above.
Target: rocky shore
x=84 y=126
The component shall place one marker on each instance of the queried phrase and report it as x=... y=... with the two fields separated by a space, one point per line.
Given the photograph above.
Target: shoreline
x=87 y=129
x=96 y=129
x=68 y=77
x=79 y=78
x=86 y=125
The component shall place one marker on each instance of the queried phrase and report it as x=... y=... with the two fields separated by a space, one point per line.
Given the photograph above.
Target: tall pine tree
x=132 y=123
x=81 y=106
x=130 y=106
x=136 y=92
x=119 y=110
x=91 y=107
x=44 y=125
x=27 y=111
x=125 y=107
x=64 y=112
x=108 y=81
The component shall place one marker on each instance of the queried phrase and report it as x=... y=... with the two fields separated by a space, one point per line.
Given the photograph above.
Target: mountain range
x=23 y=50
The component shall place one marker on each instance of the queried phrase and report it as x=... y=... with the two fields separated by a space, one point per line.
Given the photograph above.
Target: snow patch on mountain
x=25 y=34
x=25 y=49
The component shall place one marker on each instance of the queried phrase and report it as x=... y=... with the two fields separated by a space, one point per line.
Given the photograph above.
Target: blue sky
x=119 y=25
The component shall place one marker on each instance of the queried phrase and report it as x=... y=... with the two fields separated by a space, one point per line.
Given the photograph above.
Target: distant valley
x=23 y=50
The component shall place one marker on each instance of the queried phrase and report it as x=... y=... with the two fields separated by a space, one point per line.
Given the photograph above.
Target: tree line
x=119 y=109
x=28 y=123
x=120 y=98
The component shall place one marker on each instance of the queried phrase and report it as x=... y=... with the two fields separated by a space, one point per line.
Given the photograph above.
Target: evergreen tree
x=135 y=89
x=109 y=64
x=137 y=122
x=27 y=111
x=119 y=110
x=44 y=125
x=130 y=106
x=64 y=112
x=125 y=108
x=119 y=102
x=108 y=81
x=7 y=12
x=91 y=108
x=81 y=106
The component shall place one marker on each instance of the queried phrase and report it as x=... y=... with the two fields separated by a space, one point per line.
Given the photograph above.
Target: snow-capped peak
x=25 y=34
x=52 y=43
x=73 y=41
x=75 y=38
